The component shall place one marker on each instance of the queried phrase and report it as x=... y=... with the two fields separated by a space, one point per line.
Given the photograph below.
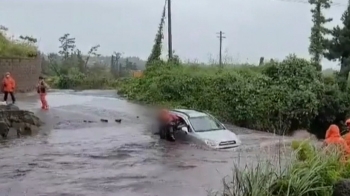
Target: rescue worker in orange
x=166 y=117
x=8 y=87
x=347 y=136
x=42 y=88
x=333 y=137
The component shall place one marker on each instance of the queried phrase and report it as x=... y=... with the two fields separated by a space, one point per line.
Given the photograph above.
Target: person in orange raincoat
x=333 y=137
x=347 y=136
x=42 y=88
x=8 y=87
x=166 y=117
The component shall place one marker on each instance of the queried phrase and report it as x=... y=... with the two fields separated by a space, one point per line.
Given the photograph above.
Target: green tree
x=68 y=56
x=318 y=30
x=29 y=39
x=338 y=48
x=67 y=45
x=157 y=47
x=130 y=65
x=91 y=52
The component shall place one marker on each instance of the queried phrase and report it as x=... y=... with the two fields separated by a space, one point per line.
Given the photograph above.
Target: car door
x=179 y=134
x=191 y=135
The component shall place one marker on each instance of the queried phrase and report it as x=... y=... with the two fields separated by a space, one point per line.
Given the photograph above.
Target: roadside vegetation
x=308 y=172
x=276 y=96
x=70 y=69
x=24 y=46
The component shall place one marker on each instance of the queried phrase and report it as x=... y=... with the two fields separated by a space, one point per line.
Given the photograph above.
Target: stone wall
x=25 y=71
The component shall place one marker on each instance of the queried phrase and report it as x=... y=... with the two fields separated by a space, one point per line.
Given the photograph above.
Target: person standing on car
x=42 y=88
x=8 y=87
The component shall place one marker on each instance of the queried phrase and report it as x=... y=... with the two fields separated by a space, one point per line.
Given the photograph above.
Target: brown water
x=70 y=157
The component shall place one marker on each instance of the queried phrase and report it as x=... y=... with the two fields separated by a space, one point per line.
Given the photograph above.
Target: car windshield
x=205 y=123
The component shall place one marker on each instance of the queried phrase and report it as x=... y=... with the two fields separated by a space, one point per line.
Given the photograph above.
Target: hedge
x=277 y=97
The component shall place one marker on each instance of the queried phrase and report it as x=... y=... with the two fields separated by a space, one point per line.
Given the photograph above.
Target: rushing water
x=72 y=157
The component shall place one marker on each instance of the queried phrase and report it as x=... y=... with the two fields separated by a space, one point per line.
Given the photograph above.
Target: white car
x=205 y=128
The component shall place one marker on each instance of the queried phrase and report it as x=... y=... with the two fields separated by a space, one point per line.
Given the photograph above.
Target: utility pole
x=220 y=50
x=170 y=37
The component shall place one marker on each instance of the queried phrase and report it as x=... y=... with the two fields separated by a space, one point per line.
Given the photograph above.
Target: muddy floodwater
x=72 y=157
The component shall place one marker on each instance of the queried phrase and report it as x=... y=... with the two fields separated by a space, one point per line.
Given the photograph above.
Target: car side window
x=184 y=123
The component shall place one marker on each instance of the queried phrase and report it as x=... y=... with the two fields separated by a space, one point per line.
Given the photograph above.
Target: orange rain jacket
x=333 y=137
x=8 y=84
x=166 y=117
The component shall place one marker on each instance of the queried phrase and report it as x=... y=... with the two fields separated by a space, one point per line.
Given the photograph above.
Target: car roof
x=190 y=113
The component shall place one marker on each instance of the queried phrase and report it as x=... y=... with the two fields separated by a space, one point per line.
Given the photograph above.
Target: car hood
x=219 y=136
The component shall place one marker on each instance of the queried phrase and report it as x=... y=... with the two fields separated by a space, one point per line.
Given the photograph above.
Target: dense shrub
x=334 y=108
x=79 y=81
x=16 y=48
x=276 y=97
x=313 y=173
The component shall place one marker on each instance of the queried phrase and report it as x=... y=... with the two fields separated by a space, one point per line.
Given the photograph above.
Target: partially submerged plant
x=312 y=173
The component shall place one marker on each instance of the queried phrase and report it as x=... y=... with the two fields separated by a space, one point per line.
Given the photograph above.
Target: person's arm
x=13 y=84
x=46 y=85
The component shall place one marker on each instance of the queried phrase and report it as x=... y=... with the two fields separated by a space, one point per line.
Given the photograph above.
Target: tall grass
x=16 y=48
x=313 y=175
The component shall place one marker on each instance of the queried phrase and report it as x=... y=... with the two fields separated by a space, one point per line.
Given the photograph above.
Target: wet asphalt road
x=70 y=157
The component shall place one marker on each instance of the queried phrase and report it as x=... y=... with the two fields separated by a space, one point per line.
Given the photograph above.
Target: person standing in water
x=42 y=88
x=8 y=87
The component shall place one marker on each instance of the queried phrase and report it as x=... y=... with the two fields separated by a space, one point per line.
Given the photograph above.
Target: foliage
x=276 y=97
x=81 y=83
x=68 y=69
x=92 y=52
x=338 y=48
x=157 y=47
x=318 y=31
x=305 y=150
x=25 y=46
x=121 y=68
x=313 y=175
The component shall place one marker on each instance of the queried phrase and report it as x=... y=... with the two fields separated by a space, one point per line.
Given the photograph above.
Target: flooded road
x=71 y=157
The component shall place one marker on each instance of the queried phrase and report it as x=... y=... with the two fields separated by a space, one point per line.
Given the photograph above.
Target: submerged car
x=205 y=128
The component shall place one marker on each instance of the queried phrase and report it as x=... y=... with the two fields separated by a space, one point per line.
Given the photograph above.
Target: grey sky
x=253 y=28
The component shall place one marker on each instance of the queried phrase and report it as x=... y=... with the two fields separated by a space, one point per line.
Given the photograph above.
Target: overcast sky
x=253 y=28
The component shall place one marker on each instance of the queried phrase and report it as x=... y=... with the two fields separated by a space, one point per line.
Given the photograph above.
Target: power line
x=306 y=2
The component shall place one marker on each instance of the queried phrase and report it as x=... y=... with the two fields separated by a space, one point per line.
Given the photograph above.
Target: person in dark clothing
x=166 y=122
x=8 y=87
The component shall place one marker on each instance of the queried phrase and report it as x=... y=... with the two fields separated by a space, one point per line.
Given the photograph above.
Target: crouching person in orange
x=333 y=137
x=42 y=88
